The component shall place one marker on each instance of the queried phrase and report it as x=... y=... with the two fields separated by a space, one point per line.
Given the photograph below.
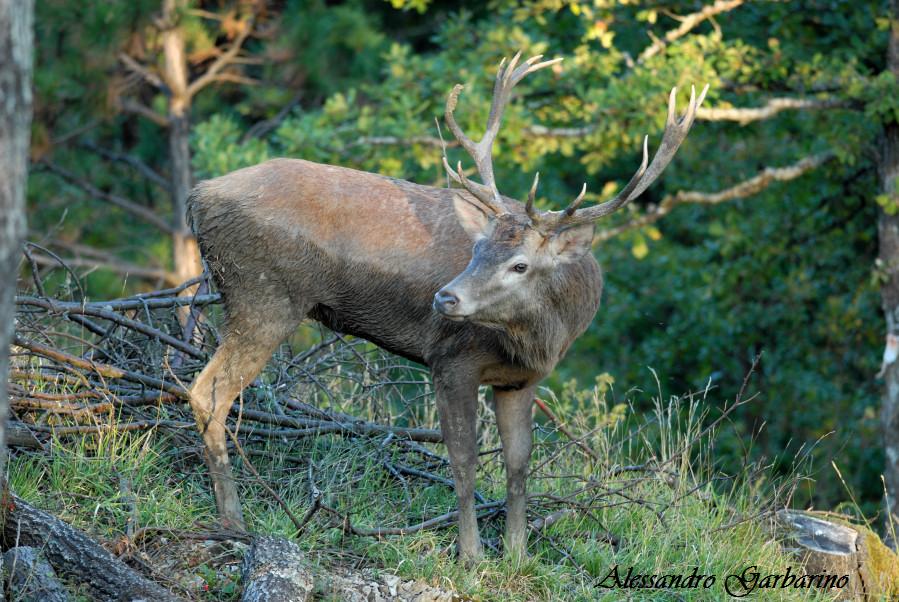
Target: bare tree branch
x=205 y=14
x=770 y=109
x=222 y=61
x=561 y=132
x=103 y=370
x=113 y=199
x=130 y=160
x=355 y=426
x=125 y=304
x=262 y=128
x=69 y=308
x=743 y=189
x=432 y=523
x=392 y=140
x=74 y=133
x=741 y=115
x=688 y=23
x=120 y=267
x=129 y=105
x=147 y=74
x=78 y=249
x=235 y=78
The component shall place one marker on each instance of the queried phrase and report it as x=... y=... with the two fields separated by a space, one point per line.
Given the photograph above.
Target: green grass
x=91 y=481
x=675 y=514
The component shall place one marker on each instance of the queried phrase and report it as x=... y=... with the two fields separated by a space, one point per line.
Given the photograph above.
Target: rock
x=368 y=586
x=275 y=570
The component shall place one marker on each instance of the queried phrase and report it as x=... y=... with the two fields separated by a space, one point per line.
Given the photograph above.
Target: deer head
x=517 y=255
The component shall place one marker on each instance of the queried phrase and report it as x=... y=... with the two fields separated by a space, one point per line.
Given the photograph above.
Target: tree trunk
x=888 y=264
x=31 y=577
x=76 y=556
x=15 y=126
x=185 y=252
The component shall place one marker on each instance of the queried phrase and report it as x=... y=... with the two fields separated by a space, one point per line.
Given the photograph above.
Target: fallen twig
x=104 y=370
x=443 y=520
x=561 y=426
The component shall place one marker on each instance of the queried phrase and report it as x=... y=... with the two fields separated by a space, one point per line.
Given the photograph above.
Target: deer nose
x=445 y=301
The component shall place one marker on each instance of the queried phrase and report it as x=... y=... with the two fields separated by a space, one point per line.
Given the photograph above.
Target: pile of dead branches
x=126 y=357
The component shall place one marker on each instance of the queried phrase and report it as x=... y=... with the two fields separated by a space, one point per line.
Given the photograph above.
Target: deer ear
x=572 y=243
x=471 y=217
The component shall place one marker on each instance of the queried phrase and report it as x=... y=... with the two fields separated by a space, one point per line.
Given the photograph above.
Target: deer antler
x=675 y=132
x=482 y=151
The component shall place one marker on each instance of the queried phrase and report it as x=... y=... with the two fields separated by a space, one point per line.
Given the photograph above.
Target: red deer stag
x=482 y=289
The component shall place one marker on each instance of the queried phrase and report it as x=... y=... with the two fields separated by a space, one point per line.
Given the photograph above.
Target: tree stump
x=275 y=570
x=31 y=578
x=827 y=546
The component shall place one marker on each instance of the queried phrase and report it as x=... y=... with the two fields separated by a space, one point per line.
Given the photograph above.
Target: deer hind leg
x=514 y=420
x=238 y=360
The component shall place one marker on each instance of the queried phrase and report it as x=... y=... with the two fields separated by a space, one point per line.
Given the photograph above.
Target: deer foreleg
x=457 y=405
x=514 y=419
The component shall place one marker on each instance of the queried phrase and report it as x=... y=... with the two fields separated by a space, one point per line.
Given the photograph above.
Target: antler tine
x=483 y=191
x=675 y=133
x=620 y=199
x=459 y=178
x=451 y=100
x=532 y=194
x=507 y=76
x=577 y=201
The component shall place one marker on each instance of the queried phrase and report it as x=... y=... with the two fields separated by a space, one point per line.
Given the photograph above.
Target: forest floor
x=648 y=500
x=323 y=459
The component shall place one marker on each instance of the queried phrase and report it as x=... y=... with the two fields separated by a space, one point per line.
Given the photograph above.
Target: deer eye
x=521 y=268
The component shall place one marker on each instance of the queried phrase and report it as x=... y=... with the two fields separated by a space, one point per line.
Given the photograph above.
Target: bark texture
x=76 y=556
x=16 y=51
x=31 y=577
x=274 y=570
x=185 y=252
x=16 y=42
x=888 y=265
x=19 y=435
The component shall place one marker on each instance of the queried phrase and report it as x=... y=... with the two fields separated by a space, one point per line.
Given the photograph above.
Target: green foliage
x=218 y=148
x=417 y=5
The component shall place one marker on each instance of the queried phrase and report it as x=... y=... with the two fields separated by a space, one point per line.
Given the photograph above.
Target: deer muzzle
x=448 y=304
